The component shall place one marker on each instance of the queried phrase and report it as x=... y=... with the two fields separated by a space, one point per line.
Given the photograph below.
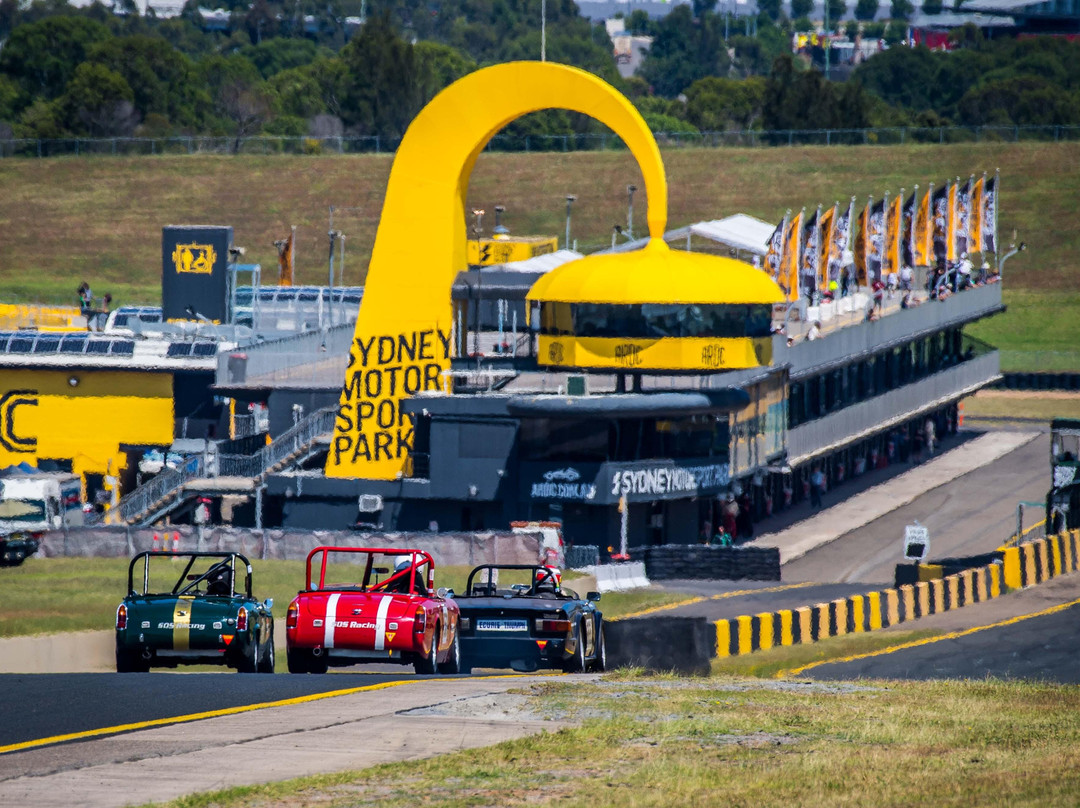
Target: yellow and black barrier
x=1021 y=566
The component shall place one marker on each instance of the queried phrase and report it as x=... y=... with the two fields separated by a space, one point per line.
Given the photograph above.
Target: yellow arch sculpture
x=402 y=342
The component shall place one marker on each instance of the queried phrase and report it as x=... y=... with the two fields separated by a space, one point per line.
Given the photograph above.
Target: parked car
x=192 y=617
x=522 y=617
x=370 y=604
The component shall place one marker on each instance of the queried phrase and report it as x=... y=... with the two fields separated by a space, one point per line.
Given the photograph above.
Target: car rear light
x=121 y=616
x=465 y=624
x=292 y=617
x=241 y=620
x=552 y=626
x=420 y=621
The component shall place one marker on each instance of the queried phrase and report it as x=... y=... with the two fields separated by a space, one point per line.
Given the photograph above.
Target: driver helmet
x=548 y=575
x=402 y=562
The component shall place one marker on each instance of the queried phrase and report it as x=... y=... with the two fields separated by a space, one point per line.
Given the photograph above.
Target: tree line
x=292 y=68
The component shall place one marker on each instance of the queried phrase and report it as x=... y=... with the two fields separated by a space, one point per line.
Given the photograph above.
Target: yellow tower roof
x=656 y=274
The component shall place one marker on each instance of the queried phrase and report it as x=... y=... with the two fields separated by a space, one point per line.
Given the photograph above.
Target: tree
x=866 y=10
x=272 y=56
x=903 y=77
x=932 y=6
x=439 y=66
x=717 y=104
x=685 y=50
x=770 y=8
x=901 y=9
x=801 y=8
x=43 y=56
x=837 y=9
x=98 y=102
x=382 y=90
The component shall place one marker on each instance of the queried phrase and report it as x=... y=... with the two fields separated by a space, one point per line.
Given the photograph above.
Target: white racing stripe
x=380 y=623
x=330 y=621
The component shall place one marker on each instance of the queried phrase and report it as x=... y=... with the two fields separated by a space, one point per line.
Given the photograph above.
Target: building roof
x=656 y=274
x=740 y=231
x=540 y=263
x=949 y=20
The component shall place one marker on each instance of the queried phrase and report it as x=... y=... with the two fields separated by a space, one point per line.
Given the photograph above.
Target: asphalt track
x=46 y=705
x=1044 y=648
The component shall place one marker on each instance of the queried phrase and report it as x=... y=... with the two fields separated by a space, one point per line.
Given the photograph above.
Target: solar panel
x=120 y=321
x=47 y=344
x=20 y=344
x=98 y=346
x=123 y=347
x=4 y=342
x=179 y=349
x=73 y=343
x=205 y=349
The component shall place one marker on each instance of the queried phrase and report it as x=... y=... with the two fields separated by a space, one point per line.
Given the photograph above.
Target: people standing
x=817 y=486
x=930 y=431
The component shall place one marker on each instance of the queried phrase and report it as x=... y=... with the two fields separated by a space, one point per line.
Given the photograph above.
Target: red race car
x=362 y=604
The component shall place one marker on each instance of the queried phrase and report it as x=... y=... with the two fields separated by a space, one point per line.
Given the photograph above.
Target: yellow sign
x=488 y=251
x=669 y=353
x=82 y=416
x=198 y=258
x=403 y=338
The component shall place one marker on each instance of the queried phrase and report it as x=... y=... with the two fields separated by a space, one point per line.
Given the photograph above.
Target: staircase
x=168 y=490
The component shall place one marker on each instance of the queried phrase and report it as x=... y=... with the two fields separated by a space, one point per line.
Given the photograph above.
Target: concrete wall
x=446 y=548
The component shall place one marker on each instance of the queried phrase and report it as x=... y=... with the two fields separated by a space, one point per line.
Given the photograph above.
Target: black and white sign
x=916 y=542
x=607 y=483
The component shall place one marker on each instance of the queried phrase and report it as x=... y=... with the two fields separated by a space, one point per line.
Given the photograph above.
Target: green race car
x=187 y=611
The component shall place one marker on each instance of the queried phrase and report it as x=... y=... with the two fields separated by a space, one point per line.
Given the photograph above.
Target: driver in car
x=404 y=583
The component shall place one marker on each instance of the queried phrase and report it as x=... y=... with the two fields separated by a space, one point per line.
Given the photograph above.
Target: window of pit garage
x=655 y=320
x=624 y=439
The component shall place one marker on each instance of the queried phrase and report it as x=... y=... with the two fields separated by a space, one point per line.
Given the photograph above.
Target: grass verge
x=51 y=595
x=729 y=741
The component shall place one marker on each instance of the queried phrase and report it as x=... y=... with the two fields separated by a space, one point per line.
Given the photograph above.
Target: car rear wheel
x=303 y=660
x=576 y=663
x=268 y=660
x=128 y=661
x=453 y=657
x=248 y=662
x=426 y=664
x=599 y=663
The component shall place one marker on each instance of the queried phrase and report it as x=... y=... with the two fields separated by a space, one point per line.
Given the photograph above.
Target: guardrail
x=587 y=141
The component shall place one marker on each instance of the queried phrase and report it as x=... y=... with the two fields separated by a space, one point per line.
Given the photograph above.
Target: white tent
x=740 y=232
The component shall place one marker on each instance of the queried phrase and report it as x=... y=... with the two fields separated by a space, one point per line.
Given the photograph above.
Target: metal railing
x=312 y=352
x=599 y=141
x=161 y=487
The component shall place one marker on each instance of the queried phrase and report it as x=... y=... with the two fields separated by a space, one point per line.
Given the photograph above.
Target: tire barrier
x=699 y=561
x=685 y=645
x=1028 y=564
x=580 y=556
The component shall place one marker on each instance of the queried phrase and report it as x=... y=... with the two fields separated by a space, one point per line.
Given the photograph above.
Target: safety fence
x=586 y=141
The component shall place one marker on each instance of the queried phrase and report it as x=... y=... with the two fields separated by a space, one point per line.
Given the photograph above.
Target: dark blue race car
x=521 y=617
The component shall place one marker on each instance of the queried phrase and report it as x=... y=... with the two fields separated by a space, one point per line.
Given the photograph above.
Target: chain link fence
x=750 y=138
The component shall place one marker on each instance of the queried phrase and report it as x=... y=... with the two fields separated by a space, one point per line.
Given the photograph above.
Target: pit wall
x=1025 y=565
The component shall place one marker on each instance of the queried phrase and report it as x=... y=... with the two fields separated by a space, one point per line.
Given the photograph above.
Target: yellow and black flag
x=975 y=216
x=939 y=211
x=923 y=231
x=963 y=217
x=789 y=266
x=774 y=250
x=951 y=251
x=860 y=244
x=875 y=239
x=894 y=227
x=828 y=263
x=988 y=224
x=811 y=240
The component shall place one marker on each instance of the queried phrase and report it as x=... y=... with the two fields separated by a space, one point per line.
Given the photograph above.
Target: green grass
x=52 y=595
x=99 y=218
x=736 y=742
x=988 y=405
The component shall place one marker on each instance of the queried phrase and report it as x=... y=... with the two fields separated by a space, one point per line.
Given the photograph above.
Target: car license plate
x=502 y=625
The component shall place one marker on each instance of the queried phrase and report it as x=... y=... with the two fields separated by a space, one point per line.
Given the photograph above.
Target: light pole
x=570 y=199
x=543 y=30
x=1007 y=256
x=630 y=211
